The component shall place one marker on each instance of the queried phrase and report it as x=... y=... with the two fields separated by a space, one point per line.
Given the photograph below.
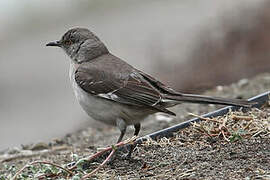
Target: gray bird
x=114 y=92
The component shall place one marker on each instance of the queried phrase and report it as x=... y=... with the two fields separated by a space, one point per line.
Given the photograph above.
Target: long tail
x=193 y=98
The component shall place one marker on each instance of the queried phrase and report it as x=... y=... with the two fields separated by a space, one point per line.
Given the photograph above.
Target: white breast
x=105 y=110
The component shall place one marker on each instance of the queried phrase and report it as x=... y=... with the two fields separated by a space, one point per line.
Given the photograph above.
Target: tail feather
x=193 y=98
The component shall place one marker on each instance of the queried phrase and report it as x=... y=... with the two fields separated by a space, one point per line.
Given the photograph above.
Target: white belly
x=105 y=110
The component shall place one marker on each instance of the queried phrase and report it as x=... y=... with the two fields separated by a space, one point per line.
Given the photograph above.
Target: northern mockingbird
x=114 y=92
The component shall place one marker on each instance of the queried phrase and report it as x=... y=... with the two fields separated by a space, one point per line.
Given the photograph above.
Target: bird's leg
x=123 y=132
x=137 y=129
x=121 y=124
x=136 y=132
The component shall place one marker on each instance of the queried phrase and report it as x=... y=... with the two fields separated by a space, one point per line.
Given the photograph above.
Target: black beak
x=57 y=43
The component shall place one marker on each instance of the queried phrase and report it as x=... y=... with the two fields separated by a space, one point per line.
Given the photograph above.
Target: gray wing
x=128 y=87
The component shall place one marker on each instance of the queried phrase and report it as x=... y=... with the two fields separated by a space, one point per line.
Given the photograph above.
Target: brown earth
x=190 y=154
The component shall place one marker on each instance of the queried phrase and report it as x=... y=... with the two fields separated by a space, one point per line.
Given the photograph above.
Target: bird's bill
x=56 y=43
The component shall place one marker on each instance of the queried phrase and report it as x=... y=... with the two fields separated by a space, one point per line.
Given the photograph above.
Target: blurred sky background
x=168 y=39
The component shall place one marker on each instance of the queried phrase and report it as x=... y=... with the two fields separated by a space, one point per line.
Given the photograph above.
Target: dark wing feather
x=159 y=85
x=128 y=87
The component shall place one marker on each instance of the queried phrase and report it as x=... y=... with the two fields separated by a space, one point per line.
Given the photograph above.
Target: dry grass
x=235 y=125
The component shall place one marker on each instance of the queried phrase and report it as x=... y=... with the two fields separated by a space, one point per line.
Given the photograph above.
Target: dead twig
x=100 y=166
x=203 y=118
x=113 y=148
x=128 y=141
x=200 y=128
x=247 y=126
x=223 y=129
x=246 y=118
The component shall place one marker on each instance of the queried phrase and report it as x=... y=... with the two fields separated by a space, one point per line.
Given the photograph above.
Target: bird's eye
x=68 y=42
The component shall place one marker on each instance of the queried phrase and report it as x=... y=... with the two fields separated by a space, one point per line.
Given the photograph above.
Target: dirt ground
x=212 y=149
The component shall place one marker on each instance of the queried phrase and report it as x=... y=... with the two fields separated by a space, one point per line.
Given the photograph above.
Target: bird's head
x=80 y=44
